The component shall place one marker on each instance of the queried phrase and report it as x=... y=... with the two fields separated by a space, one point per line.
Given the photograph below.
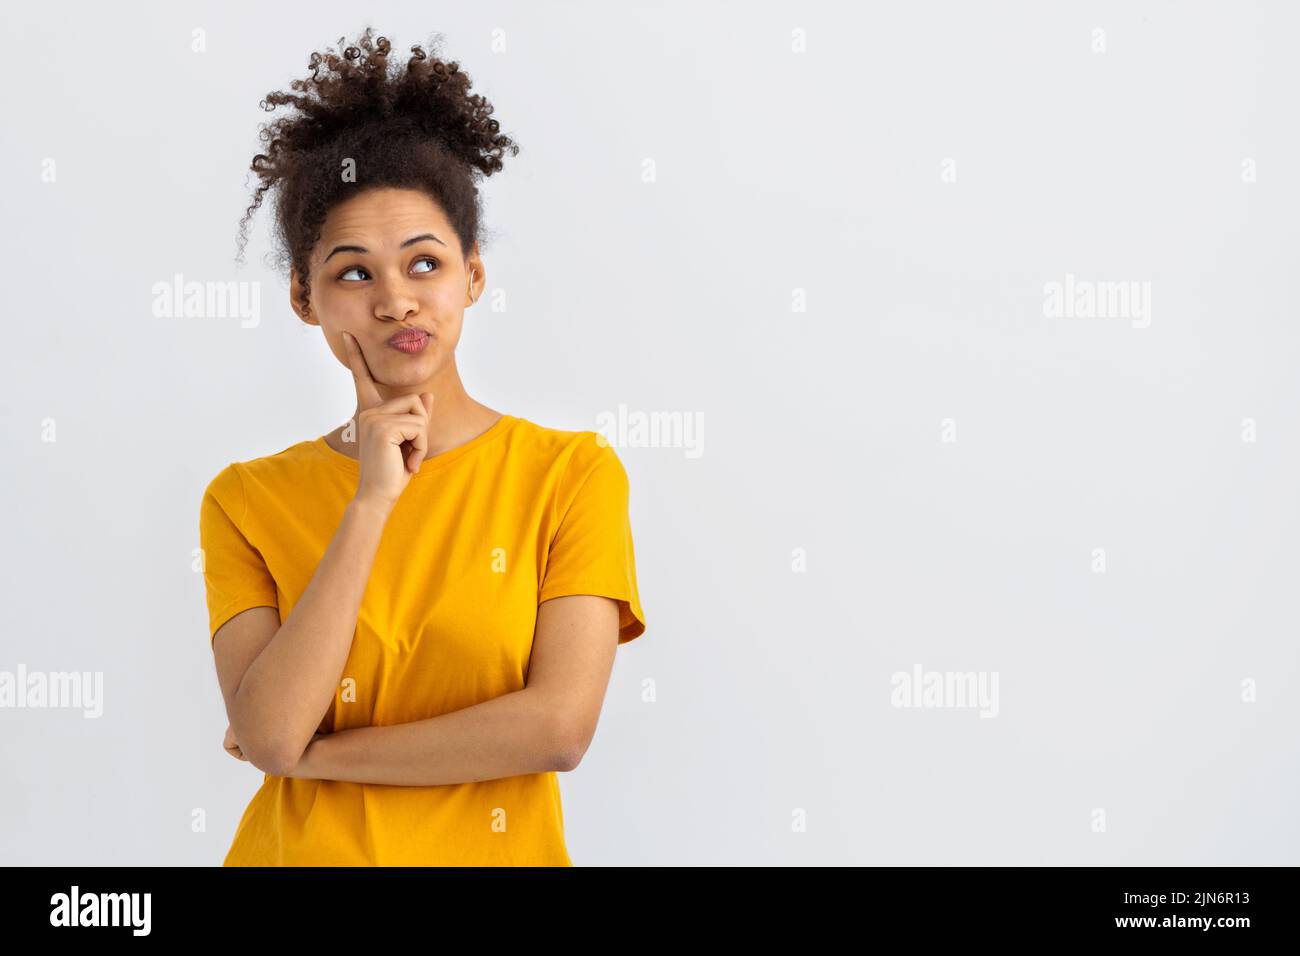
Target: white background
x=775 y=171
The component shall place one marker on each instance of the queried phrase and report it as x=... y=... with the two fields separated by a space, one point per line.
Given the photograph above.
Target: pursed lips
x=408 y=335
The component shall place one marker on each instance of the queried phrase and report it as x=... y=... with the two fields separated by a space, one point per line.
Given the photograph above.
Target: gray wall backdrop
x=987 y=313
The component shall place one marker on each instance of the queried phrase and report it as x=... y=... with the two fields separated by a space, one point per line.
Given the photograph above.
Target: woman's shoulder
x=563 y=445
x=282 y=462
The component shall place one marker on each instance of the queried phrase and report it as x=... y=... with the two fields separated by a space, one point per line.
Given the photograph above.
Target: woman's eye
x=431 y=263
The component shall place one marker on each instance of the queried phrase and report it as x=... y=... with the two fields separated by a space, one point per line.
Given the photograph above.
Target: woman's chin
x=407 y=370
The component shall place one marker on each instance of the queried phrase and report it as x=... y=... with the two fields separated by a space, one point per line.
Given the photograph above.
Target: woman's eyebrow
x=409 y=242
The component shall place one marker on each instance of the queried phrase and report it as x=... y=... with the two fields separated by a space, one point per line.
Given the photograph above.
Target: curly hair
x=417 y=127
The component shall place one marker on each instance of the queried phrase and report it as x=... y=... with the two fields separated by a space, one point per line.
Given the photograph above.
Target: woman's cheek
x=340 y=348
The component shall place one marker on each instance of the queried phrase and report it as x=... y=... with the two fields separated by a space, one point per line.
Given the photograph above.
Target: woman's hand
x=232 y=746
x=392 y=436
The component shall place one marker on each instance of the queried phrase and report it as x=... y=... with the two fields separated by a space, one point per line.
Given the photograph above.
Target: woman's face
x=388 y=260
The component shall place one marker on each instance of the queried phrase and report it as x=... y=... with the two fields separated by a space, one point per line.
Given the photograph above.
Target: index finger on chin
x=367 y=394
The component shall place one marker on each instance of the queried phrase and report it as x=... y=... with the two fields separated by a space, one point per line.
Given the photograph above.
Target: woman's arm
x=283 y=694
x=544 y=727
x=515 y=733
x=291 y=684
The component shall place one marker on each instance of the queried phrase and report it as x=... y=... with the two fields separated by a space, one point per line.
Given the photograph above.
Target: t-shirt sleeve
x=235 y=575
x=591 y=552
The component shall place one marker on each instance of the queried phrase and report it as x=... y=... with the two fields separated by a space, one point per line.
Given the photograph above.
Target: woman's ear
x=296 y=290
x=474 y=284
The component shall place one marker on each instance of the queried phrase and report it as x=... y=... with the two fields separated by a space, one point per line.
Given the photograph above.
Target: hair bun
x=414 y=125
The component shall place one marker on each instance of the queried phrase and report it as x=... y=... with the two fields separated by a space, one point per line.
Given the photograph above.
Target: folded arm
x=512 y=734
x=280 y=679
x=546 y=726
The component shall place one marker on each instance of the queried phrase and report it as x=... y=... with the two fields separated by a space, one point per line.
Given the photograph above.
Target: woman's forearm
x=516 y=733
x=291 y=685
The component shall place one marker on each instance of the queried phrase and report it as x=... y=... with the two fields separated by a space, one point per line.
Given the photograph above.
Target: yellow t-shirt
x=481 y=535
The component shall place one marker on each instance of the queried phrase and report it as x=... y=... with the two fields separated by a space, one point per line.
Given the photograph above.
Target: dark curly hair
x=414 y=127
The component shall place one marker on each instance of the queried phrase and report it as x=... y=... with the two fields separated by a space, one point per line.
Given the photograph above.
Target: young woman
x=414 y=617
